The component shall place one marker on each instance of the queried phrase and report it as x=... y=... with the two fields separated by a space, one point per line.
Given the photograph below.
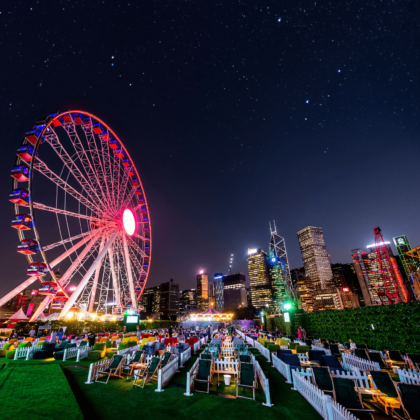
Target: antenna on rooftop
x=230 y=264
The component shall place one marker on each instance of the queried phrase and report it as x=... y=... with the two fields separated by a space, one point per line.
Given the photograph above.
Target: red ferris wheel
x=79 y=207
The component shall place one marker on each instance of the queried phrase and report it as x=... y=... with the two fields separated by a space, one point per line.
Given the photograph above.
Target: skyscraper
x=408 y=262
x=279 y=270
x=234 y=291
x=318 y=268
x=218 y=291
x=169 y=298
x=315 y=257
x=259 y=279
x=202 y=291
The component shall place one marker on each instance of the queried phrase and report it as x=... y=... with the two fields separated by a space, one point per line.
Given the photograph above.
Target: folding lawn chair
x=415 y=359
x=362 y=354
x=113 y=370
x=376 y=357
x=245 y=358
x=345 y=394
x=247 y=378
x=136 y=359
x=410 y=397
x=383 y=382
x=204 y=374
x=395 y=357
x=148 y=372
x=165 y=359
x=322 y=378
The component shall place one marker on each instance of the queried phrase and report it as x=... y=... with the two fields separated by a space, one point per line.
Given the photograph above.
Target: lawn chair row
x=399 y=400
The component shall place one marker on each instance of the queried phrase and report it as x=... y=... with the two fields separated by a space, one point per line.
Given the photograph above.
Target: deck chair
x=345 y=394
x=362 y=354
x=204 y=374
x=315 y=355
x=410 y=397
x=165 y=359
x=414 y=358
x=247 y=378
x=136 y=359
x=376 y=357
x=335 y=350
x=395 y=357
x=245 y=358
x=361 y=346
x=113 y=370
x=382 y=381
x=206 y=356
x=332 y=362
x=84 y=344
x=322 y=378
x=147 y=373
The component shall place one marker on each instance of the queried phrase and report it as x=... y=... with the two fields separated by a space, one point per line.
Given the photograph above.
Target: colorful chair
x=6 y=348
x=98 y=352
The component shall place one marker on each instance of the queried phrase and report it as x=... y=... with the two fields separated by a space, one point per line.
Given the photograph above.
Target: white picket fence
x=184 y=356
x=265 y=352
x=409 y=376
x=250 y=341
x=196 y=346
x=326 y=351
x=94 y=368
x=167 y=372
x=350 y=362
x=129 y=350
x=226 y=366
x=227 y=352
x=22 y=353
x=323 y=404
x=264 y=384
x=70 y=353
x=32 y=350
x=283 y=368
x=82 y=353
x=190 y=378
x=361 y=377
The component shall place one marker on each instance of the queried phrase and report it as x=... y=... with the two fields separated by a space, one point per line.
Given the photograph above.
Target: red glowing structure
x=388 y=269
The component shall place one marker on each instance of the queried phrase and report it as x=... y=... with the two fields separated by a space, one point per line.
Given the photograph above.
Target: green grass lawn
x=119 y=399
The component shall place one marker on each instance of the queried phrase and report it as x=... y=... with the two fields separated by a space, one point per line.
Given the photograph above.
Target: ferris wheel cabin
x=19 y=197
x=37 y=269
x=48 y=289
x=25 y=152
x=28 y=247
x=22 y=222
x=21 y=173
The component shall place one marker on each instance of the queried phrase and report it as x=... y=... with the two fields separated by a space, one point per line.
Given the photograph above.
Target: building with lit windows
x=409 y=263
x=169 y=299
x=202 y=291
x=234 y=291
x=318 y=268
x=218 y=291
x=187 y=302
x=259 y=278
x=279 y=288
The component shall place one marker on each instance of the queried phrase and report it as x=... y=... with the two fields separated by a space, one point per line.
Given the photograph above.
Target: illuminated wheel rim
x=99 y=216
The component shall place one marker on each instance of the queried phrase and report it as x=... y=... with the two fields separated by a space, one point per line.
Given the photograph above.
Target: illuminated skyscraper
x=318 y=268
x=315 y=257
x=202 y=291
x=259 y=278
x=408 y=262
x=218 y=291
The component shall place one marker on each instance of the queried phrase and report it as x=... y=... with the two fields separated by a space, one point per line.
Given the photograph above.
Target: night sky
x=235 y=113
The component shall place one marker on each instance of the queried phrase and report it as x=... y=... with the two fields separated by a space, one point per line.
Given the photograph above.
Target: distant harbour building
x=234 y=291
x=218 y=291
x=409 y=263
x=259 y=278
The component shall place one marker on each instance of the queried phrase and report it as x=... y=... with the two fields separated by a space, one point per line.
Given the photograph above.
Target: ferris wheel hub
x=129 y=222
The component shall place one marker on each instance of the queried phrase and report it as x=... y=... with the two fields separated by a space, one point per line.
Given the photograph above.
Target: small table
x=308 y=364
x=137 y=366
x=369 y=391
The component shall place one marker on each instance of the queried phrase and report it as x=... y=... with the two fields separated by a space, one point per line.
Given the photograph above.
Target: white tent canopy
x=19 y=316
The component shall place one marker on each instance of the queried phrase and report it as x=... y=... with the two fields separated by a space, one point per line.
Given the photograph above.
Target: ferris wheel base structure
x=101 y=214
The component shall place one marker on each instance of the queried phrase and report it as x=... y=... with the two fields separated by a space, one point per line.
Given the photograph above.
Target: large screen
x=132 y=319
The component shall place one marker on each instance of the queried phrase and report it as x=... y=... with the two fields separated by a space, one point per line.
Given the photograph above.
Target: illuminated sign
x=287 y=306
x=286 y=317
x=400 y=241
x=252 y=251
x=218 y=277
x=132 y=319
x=273 y=259
x=346 y=289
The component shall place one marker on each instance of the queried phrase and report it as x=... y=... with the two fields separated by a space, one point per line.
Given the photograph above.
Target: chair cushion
x=291 y=359
x=59 y=355
x=95 y=355
x=6 y=346
x=280 y=352
x=25 y=344
x=315 y=355
x=10 y=354
x=43 y=354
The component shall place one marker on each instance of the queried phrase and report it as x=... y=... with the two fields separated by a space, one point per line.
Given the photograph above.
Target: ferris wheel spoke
x=55 y=143
x=87 y=276
x=140 y=237
x=64 y=241
x=47 y=300
x=114 y=277
x=96 y=278
x=41 y=167
x=130 y=274
x=40 y=206
x=137 y=248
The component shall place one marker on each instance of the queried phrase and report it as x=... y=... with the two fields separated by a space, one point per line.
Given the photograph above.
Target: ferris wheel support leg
x=17 y=290
x=87 y=276
x=41 y=308
x=30 y=280
x=130 y=274
x=114 y=277
x=95 y=280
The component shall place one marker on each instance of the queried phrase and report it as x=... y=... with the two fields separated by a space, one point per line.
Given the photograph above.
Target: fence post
x=188 y=393
x=289 y=375
x=89 y=381
x=159 y=388
x=328 y=409
x=64 y=355
x=267 y=394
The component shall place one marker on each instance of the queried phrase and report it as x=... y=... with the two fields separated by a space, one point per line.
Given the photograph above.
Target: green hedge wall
x=397 y=327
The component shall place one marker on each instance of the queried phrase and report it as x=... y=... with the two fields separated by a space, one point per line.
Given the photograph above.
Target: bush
x=396 y=327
